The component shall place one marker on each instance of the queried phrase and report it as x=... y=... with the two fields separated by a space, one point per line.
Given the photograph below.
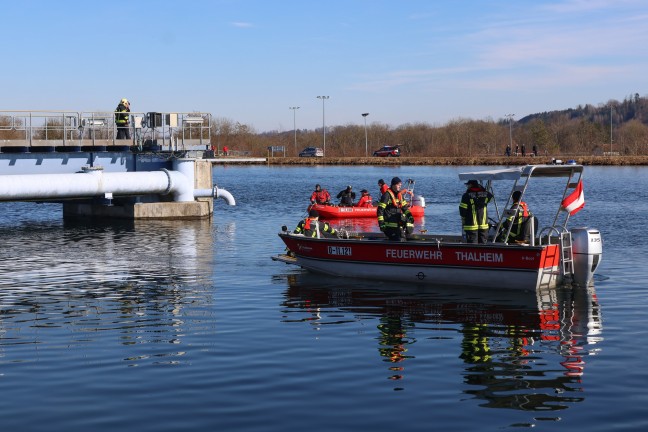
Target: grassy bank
x=503 y=160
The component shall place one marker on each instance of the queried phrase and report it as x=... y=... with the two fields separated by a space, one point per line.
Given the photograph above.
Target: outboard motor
x=587 y=247
x=418 y=200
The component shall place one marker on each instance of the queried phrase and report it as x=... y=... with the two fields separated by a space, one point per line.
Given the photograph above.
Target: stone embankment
x=477 y=160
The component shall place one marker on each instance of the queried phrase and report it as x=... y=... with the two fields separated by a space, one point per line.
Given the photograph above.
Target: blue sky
x=403 y=61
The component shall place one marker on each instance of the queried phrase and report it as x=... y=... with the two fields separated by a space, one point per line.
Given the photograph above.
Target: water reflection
x=83 y=282
x=519 y=350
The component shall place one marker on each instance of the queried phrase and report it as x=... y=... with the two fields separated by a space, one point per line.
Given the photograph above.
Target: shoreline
x=442 y=161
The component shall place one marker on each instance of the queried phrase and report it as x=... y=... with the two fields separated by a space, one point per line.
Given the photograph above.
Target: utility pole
x=366 y=141
x=323 y=121
x=510 y=117
x=294 y=110
x=610 y=130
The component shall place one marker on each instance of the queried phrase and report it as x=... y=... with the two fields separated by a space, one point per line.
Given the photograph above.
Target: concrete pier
x=159 y=210
x=201 y=208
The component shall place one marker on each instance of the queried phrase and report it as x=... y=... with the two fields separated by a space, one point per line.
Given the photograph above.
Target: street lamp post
x=323 y=122
x=510 y=117
x=366 y=146
x=294 y=110
x=610 y=130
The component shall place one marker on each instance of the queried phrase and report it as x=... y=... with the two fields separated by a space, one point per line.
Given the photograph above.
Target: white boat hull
x=438 y=275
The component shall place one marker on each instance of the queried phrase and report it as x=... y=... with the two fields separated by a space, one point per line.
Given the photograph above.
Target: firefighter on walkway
x=394 y=216
x=122 y=116
x=312 y=227
x=474 y=212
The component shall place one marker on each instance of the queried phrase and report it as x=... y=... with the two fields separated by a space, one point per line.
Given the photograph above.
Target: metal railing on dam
x=73 y=131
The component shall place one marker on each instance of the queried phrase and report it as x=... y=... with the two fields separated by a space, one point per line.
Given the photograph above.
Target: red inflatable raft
x=335 y=212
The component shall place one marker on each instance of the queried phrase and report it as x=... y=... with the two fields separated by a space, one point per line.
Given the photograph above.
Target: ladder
x=567 y=255
x=562 y=235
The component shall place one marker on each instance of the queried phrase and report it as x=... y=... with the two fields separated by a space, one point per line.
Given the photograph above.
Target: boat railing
x=560 y=235
x=550 y=235
x=63 y=129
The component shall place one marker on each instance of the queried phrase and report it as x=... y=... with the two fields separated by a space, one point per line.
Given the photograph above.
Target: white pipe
x=222 y=193
x=95 y=183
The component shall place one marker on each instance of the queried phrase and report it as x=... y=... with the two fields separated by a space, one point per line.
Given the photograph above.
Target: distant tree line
x=619 y=127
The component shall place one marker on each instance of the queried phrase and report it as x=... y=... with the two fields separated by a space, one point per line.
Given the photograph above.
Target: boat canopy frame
x=521 y=177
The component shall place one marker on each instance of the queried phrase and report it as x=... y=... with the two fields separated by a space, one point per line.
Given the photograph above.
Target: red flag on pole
x=575 y=201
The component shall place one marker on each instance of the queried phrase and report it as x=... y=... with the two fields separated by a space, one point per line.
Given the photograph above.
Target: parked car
x=311 y=152
x=388 y=151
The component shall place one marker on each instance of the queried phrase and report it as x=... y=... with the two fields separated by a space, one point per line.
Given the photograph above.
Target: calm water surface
x=164 y=326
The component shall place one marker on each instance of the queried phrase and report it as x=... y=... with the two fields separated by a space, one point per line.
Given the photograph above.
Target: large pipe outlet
x=225 y=195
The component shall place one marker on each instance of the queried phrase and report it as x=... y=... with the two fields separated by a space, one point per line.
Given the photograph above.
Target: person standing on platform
x=122 y=119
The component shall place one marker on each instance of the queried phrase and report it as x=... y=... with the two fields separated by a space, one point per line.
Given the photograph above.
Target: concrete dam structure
x=74 y=158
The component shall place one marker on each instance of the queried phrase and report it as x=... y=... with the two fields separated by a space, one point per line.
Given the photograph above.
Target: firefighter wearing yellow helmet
x=122 y=117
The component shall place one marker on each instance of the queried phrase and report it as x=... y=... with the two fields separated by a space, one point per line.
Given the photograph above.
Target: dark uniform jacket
x=346 y=197
x=393 y=212
x=121 y=115
x=314 y=228
x=473 y=209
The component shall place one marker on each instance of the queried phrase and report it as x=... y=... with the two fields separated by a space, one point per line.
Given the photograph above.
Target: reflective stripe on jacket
x=518 y=219
x=311 y=227
x=121 y=115
x=393 y=211
x=473 y=209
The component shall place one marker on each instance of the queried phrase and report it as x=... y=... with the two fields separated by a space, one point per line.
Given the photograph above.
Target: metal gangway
x=74 y=131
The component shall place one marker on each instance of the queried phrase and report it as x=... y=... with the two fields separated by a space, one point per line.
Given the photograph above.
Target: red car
x=388 y=151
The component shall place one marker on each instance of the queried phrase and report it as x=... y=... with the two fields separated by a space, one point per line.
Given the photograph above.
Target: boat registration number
x=339 y=250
